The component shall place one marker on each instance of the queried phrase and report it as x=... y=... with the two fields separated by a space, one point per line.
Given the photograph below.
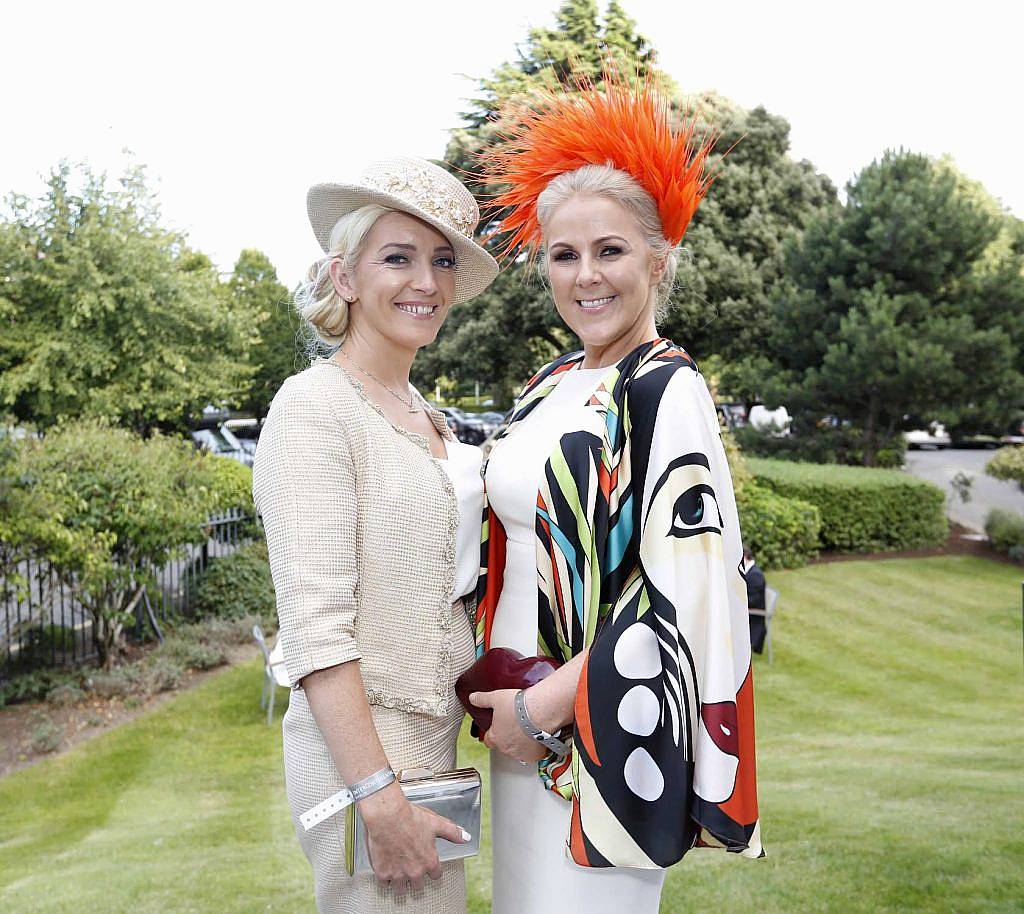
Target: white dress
x=529 y=825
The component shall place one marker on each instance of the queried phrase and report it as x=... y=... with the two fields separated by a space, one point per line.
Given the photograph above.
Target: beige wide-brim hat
x=423 y=190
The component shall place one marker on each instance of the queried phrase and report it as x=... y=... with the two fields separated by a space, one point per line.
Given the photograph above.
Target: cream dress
x=409 y=740
x=532 y=871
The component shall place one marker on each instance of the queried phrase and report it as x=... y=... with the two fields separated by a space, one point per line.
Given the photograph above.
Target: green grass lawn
x=889 y=751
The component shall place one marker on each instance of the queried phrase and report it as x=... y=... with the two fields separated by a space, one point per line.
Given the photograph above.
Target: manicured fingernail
x=466 y=836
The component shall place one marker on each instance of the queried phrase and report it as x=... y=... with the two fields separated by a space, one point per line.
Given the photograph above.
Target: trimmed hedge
x=781 y=532
x=862 y=509
x=812 y=444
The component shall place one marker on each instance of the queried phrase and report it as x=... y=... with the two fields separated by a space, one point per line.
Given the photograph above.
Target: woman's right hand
x=400 y=837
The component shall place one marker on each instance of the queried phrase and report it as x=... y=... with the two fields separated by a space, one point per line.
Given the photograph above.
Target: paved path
x=986 y=493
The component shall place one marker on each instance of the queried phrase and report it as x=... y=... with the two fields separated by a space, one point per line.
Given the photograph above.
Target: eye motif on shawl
x=684 y=495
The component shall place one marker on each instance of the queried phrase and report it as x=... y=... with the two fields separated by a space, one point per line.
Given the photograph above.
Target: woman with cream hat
x=372 y=510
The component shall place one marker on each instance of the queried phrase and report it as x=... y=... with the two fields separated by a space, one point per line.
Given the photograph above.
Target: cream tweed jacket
x=361 y=527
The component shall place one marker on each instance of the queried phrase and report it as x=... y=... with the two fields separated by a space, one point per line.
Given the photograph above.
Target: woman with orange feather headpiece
x=611 y=541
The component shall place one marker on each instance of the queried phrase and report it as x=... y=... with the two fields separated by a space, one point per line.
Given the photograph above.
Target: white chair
x=771 y=597
x=274 y=672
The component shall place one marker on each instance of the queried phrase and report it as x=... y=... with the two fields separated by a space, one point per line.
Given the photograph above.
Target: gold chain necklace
x=408 y=404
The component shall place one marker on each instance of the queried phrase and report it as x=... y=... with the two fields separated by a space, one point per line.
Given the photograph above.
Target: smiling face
x=403 y=284
x=602 y=273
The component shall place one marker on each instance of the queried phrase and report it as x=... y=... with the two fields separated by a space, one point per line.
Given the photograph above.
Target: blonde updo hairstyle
x=624 y=189
x=317 y=300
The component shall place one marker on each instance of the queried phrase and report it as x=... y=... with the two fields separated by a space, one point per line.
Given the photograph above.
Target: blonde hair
x=606 y=181
x=316 y=300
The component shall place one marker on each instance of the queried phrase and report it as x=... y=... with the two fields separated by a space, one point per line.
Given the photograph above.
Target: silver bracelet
x=376 y=781
x=548 y=740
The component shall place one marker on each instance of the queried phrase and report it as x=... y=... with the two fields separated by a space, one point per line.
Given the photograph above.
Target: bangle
x=548 y=740
x=376 y=781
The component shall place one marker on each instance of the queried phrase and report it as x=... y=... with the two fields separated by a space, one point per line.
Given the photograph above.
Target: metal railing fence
x=43 y=625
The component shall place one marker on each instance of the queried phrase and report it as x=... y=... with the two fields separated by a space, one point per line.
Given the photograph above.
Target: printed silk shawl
x=639 y=559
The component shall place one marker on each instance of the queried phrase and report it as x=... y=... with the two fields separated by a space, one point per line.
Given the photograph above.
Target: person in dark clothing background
x=755 y=599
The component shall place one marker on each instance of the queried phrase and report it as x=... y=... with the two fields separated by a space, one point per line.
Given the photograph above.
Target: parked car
x=976 y=442
x=734 y=415
x=466 y=427
x=212 y=433
x=773 y=422
x=933 y=436
x=247 y=431
x=1014 y=434
x=222 y=442
x=491 y=421
x=488 y=443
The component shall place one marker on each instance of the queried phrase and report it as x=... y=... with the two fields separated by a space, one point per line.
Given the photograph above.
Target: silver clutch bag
x=452 y=794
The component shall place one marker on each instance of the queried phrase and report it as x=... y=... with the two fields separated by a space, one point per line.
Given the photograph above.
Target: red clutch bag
x=500 y=668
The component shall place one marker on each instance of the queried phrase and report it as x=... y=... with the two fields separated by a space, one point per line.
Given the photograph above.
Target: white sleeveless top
x=463 y=469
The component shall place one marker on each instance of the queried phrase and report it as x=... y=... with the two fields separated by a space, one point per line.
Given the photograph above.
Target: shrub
x=810 y=444
x=234 y=631
x=738 y=469
x=31 y=686
x=1008 y=464
x=781 y=532
x=232 y=483
x=1006 y=532
x=115 y=683
x=65 y=695
x=187 y=647
x=46 y=734
x=862 y=509
x=116 y=507
x=232 y=486
x=163 y=674
x=237 y=585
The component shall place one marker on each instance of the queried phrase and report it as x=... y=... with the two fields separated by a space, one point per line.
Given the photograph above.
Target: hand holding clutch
x=500 y=668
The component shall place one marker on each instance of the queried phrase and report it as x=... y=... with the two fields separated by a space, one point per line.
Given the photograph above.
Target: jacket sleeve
x=663 y=738
x=304 y=489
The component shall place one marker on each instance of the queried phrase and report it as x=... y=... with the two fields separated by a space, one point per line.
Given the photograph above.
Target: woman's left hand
x=505 y=734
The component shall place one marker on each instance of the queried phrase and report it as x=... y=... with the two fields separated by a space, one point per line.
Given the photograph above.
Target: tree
x=905 y=302
x=627 y=48
x=500 y=338
x=116 y=508
x=255 y=291
x=736 y=240
x=106 y=313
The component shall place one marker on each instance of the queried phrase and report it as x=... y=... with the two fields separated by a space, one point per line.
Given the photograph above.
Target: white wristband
x=334 y=803
x=346 y=796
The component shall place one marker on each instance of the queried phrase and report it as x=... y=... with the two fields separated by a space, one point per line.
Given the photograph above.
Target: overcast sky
x=236 y=108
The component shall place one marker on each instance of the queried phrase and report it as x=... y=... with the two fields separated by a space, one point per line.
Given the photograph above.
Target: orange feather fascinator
x=626 y=127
